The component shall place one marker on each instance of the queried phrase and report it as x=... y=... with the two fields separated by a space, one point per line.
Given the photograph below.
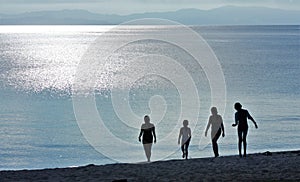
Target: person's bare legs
x=245 y=141
x=183 y=151
x=242 y=139
x=240 y=142
x=215 y=144
x=147 y=148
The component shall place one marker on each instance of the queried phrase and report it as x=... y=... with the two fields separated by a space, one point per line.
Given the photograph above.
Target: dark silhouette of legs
x=184 y=149
x=242 y=139
x=215 y=144
x=187 y=143
x=240 y=142
x=147 y=148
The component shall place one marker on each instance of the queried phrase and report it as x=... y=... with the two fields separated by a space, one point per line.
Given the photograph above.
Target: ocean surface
x=42 y=83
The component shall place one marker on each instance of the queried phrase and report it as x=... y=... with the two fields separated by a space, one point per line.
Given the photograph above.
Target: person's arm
x=179 y=136
x=141 y=133
x=190 y=133
x=235 y=119
x=251 y=118
x=208 y=125
x=154 y=135
x=222 y=127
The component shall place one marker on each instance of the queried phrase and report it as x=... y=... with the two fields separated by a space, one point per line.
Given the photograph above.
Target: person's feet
x=242 y=155
x=217 y=155
x=183 y=155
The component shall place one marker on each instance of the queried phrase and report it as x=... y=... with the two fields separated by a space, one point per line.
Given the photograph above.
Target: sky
x=123 y=7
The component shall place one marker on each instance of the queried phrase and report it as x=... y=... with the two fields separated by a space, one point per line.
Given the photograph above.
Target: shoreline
x=275 y=166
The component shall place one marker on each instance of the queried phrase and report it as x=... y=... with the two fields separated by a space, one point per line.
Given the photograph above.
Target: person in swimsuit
x=148 y=132
x=241 y=117
x=216 y=123
x=185 y=135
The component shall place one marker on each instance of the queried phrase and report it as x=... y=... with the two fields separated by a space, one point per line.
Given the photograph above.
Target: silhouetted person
x=185 y=135
x=216 y=122
x=241 y=117
x=148 y=132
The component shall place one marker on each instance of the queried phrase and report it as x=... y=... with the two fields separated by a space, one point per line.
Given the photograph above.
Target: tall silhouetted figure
x=217 y=127
x=241 y=117
x=148 y=132
x=185 y=135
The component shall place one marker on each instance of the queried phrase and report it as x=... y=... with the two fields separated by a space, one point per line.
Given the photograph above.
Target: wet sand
x=275 y=166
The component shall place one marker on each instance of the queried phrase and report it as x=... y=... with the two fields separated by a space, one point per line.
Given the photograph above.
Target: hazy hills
x=225 y=15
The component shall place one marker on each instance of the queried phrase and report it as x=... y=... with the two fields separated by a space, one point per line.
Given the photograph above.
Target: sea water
x=39 y=129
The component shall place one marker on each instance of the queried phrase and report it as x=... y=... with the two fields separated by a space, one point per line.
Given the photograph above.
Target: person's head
x=185 y=123
x=237 y=106
x=147 y=119
x=214 y=111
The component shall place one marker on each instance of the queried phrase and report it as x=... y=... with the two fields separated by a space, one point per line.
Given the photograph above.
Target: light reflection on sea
x=38 y=128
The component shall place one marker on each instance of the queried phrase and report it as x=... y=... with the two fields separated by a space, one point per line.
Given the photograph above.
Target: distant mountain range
x=227 y=15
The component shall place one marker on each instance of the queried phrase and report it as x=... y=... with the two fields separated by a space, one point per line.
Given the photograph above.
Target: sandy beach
x=267 y=166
